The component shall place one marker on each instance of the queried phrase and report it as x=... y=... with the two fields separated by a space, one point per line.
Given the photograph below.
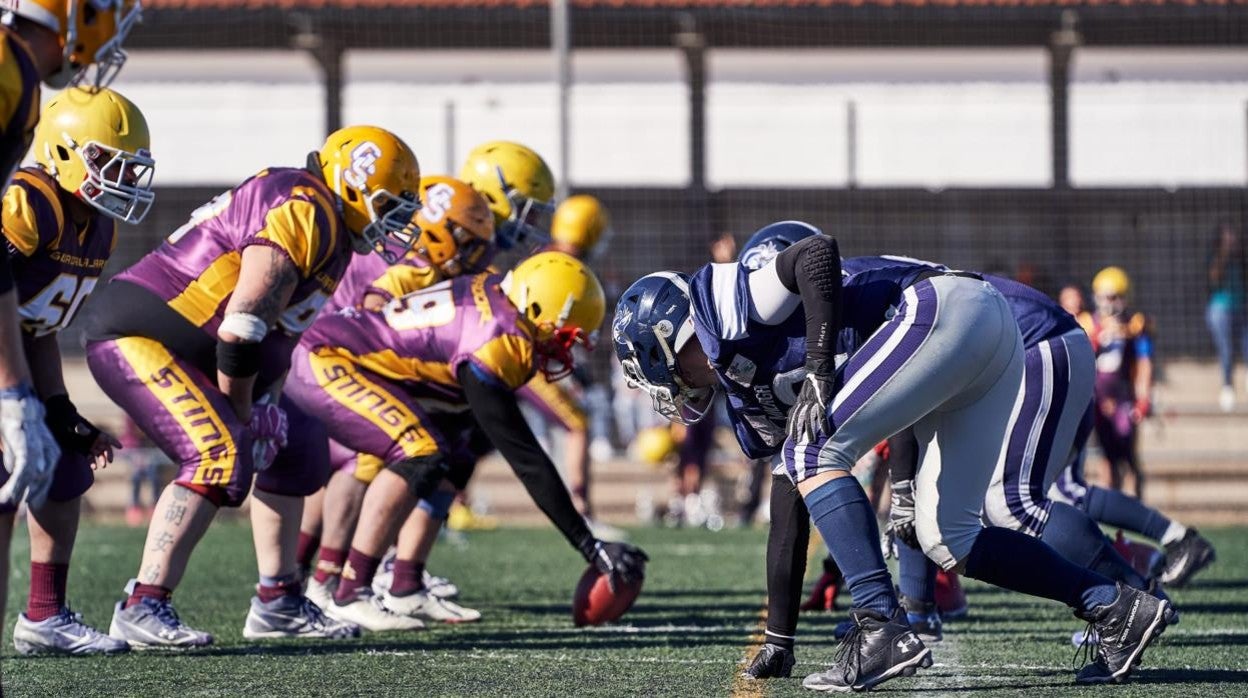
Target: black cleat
x=1125 y=628
x=771 y=662
x=1185 y=557
x=876 y=649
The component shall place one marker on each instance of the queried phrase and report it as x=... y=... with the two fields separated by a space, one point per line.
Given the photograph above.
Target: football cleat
x=63 y=633
x=950 y=598
x=924 y=619
x=368 y=612
x=1125 y=628
x=771 y=662
x=1185 y=557
x=876 y=649
x=153 y=623
x=823 y=596
x=321 y=593
x=293 y=616
x=441 y=587
x=427 y=607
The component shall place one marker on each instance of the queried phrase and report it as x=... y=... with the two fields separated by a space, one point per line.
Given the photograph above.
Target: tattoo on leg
x=175 y=513
x=162 y=542
x=150 y=573
x=180 y=493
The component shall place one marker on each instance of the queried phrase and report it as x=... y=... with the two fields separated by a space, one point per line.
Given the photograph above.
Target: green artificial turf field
x=697 y=618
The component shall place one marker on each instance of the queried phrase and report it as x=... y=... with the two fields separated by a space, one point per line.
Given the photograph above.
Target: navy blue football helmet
x=771 y=240
x=653 y=322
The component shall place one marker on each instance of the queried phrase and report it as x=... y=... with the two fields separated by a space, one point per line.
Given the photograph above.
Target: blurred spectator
x=723 y=248
x=143 y=459
x=1071 y=299
x=1224 y=313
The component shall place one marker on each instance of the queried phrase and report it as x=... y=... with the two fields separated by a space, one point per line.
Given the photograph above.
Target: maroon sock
x=408 y=577
x=47 y=590
x=356 y=574
x=148 y=591
x=273 y=588
x=330 y=564
x=305 y=552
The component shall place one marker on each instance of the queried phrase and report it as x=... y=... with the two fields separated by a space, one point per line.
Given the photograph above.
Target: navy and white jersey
x=753 y=331
x=1038 y=316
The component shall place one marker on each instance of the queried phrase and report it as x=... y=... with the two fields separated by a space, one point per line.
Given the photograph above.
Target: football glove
x=619 y=561
x=268 y=427
x=69 y=427
x=30 y=450
x=808 y=420
x=771 y=662
x=901 y=515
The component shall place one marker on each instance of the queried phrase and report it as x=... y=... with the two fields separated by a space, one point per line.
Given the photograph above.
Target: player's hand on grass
x=901 y=516
x=808 y=420
x=619 y=561
x=30 y=450
x=771 y=662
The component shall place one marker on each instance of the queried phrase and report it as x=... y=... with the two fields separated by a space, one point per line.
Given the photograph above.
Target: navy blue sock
x=1018 y=562
x=1124 y=511
x=845 y=519
x=917 y=574
x=1078 y=538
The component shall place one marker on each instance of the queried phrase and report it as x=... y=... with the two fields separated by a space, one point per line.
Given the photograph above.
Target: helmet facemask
x=678 y=402
x=528 y=223
x=116 y=181
x=108 y=59
x=392 y=219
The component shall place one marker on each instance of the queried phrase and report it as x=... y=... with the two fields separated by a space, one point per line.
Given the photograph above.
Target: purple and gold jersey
x=196 y=269
x=1120 y=342
x=56 y=261
x=19 y=101
x=369 y=274
x=421 y=339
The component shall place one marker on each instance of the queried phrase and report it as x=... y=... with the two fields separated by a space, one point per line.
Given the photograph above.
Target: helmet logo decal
x=363 y=165
x=622 y=319
x=437 y=202
x=664 y=328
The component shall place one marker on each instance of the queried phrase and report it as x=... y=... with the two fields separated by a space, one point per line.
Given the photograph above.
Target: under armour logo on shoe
x=908 y=642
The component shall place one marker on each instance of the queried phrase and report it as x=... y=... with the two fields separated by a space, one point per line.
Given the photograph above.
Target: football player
x=1124 y=374
x=518 y=186
x=52 y=41
x=93 y=168
x=456 y=236
x=412 y=386
x=193 y=341
x=939 y=352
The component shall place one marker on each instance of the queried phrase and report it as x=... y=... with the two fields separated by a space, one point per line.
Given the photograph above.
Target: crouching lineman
x=942 y=354
x=194 y=339
x=412 y=384
x=93 y=168
x=456 y=237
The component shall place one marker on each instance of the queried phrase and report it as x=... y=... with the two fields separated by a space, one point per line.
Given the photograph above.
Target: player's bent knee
x=422 y=473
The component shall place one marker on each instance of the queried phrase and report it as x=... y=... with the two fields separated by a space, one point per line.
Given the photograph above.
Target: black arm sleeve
x=812 y=269
x=496 y=410
x=6 y=271
x=903 y=456
x=786 y=560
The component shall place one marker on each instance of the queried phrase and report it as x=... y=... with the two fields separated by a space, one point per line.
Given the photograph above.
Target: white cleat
x=368 y=612
x=293 y=616
x=321 y=593
x=425 y=606
x=63 y=633
x=440 y=587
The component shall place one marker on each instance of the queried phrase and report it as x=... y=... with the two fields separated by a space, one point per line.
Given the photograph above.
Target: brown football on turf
x=594 y=603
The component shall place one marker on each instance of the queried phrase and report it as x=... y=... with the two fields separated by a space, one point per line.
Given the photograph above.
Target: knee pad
x=422 y=474
x=438 y=504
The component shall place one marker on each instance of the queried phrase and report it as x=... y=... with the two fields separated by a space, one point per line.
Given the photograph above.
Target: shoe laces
x=848 y=657
x=316 y=617
x=70 y=617
x=1089 y=651
x=165 y=613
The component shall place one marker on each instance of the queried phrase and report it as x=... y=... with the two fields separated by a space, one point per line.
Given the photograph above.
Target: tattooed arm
x=266 y=281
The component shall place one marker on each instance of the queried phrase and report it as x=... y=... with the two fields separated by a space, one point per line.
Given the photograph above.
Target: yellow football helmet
x=564 y=301
x=456 y=226
x=377 y=179
x=91 y=32
x=518 y=186
x=579 y=225
x=1111 y=281
x=95 y=144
